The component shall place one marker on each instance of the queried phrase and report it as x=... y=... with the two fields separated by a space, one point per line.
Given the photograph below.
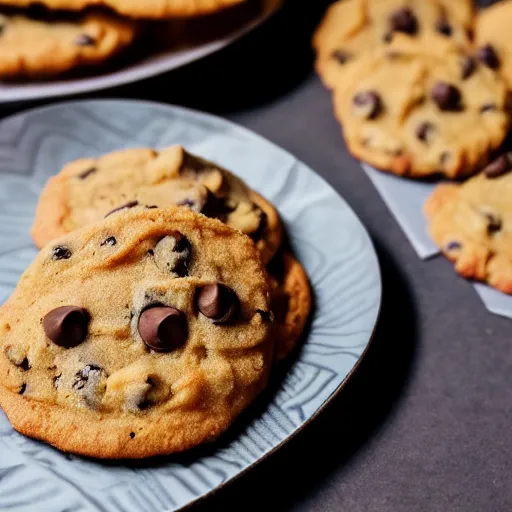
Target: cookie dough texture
x=88 y=382
x=87 y=190
x=471 y=224
x=156 y=9
x=418 y=114
x=493 y=29
x=352 y=28
x=42 y=47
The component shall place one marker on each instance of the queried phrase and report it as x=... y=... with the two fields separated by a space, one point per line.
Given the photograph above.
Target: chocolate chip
x=25 y=364
x=488 y=107
x=85 y=40
x=341 y=56
x=23 y=388
x=488 y=56
x=61 y=253
x=66 y=326
x=453 y=246
x=163 y=328
x=425 y=131
x=493 y=222
x=265 y=315
x=132 y=435
x=367 y=104
x=499 y=166
x=173 y=253
x=56 y=380
x=110 y=242
x=87 y=173
x=444 y=27
x=89 y=384
x=215 y=207
x=446 y=96
x=468 y=66
x=217 y=302
x=404 y=20
x=151 y=207
x=131 y=204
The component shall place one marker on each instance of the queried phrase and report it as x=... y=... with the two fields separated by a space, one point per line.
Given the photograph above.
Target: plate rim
x=240 y=128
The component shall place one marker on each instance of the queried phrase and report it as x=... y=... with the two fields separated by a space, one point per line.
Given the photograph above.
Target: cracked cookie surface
x=144 y=334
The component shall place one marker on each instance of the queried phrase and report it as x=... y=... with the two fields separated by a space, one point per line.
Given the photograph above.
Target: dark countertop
x=425 y=423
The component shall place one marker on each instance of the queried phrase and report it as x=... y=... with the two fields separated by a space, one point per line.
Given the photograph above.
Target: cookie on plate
x=145 y=334
x=494 y=39
x=414 y=113
x=291 y=301
x=89 y=189
x=37 y=43
x=352 y=28
x=156 y=9
x=471 y=224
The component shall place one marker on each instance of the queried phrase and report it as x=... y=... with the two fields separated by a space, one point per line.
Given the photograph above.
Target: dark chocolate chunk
x=87 y=173
x=82 y=377
x=367 y=104
x=404 y=20
x=85 y=40
x=444 y=27
x=173 y=253
x=217 y=302
x=61 y=253
x=89 y=384
x=425 y=131
x=163 y=328
x=468 y=66
x=446 y=96
x=131 y=204
x=499 y=166
x=265 y=315
x=23 y=388
x=66 y=326
x=341 y=56
x=25 y=364
x=215 y=207
x=110 y=241
x=488 y=56
x=132 y=435
x=56 y=380
x=494 y=222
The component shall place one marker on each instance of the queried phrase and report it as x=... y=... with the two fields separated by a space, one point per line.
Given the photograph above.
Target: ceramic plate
x=184 y=48
x=324 y=232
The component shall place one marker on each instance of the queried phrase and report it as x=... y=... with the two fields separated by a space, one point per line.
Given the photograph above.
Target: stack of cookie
x=155 y=311
x=422 y=88
x=56 y=36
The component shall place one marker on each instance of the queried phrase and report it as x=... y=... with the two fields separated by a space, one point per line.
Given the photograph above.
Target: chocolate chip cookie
x=291 y=301
x=36 y=42
x=352 y=28
x=89 y=189
x=156 y=9
x=471 y=224
x=414 y=113
x=494 y=39
x=144 y=334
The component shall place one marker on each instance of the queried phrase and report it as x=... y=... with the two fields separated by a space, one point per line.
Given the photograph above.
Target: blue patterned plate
x=325 y=233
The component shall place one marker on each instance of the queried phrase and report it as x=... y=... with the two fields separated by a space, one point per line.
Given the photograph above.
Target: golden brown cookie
x=291 y=301
x=352 y=28
x=86 y=190
x=144 y=334
x=51 y=44
x=494 y=38
x=471 y=224
x=156 y=9
x=414 y=113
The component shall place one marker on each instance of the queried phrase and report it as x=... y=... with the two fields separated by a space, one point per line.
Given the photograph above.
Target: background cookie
x=470 y=222
x=86 y=190
x=50 y=44
x=145 y=334
x=137 y=8
x=416 y=114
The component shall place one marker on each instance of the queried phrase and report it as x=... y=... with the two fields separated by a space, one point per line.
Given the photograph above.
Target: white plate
x=150 y=66
x=325 y=233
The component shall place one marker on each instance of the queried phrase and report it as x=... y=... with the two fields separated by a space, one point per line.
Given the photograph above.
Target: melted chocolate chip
x=493 y=222
x=89 y=384
x=85 y=40
x=425 y=131
x=66 y=326
x=341 y=56
x=499 y=166
x=453 y=246
x=82 y=377
x=132 y=435
x=173 y=254
x=131 y=204
x=367 y=104
x=488 y=56
x=217 y=302
x=110 y=242
x=215 y=207
x=25 y=366
x=444 y=27
x=61 y=253
x=488 y=107
x=87 y=173
x=446 y=96
x=265 y=315
x=163 y=329
x=404 y=20
x=468 y=67
x=23 y=388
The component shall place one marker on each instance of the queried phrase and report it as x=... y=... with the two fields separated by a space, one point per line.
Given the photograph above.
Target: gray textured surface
x=425 y=423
